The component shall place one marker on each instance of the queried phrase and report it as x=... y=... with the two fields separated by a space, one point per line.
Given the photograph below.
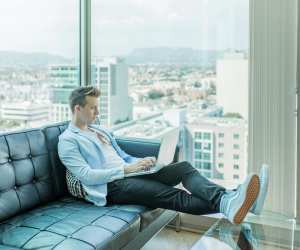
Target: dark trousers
x=157 y=190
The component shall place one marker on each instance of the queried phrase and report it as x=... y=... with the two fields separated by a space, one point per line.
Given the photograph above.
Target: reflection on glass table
x=248 y=236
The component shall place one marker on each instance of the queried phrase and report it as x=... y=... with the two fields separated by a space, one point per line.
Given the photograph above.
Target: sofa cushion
x=71 y=224
x=148 y=215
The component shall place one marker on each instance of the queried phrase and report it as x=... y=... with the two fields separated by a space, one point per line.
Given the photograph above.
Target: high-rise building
x=110 y=75
x=27 y=114
x=63 y=79
x=218 y=148
x=232 y=84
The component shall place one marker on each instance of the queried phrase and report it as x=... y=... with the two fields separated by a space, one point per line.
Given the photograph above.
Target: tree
x=155 y=94
x=121 y=121
x=233 y=115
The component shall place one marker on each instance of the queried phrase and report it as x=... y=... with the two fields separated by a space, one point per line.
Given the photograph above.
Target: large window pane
x=176 y=64
x=38 y=61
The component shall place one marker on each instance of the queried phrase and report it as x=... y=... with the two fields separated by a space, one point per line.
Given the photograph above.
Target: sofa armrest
x=142 y=147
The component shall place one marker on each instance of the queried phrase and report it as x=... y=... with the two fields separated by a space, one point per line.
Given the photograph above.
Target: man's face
x=89 y=112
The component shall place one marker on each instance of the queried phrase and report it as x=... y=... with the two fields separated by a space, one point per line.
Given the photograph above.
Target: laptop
x=165 y=155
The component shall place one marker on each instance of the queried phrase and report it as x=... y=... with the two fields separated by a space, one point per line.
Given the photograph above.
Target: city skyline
x=142 y=100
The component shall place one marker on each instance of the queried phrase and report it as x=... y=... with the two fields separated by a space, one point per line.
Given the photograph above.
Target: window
x=175 y=66
x=207 y=146
x=221 y=165
x=236 y=166
x=197 y=145
x=206 y=156
x=198 y=135
x=42 y=45
x=220 y=176
x=236 y=146
x=198 y=155
x=103 y=69
x=236 y=176
x=207 y=165
x=236 y=136
x=236 y=157
x=206 y=136
x=198 y=164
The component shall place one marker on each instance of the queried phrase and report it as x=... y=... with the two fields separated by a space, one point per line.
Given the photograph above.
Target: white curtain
x=272 y=98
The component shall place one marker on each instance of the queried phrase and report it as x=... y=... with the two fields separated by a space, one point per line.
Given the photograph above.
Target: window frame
x=85 y=39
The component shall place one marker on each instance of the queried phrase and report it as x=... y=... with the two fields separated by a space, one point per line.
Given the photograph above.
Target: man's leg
x=192 y=180
x=154 y=194
x=233 y=204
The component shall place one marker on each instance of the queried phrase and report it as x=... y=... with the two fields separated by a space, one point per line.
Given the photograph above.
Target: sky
x=119 y=26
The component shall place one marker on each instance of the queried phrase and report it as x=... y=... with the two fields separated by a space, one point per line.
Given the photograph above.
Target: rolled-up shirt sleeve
x=71 y=157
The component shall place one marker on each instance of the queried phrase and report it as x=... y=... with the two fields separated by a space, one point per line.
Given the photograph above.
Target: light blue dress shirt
x=83 y=155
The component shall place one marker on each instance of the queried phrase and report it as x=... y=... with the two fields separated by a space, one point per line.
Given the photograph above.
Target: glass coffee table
x=223 y=235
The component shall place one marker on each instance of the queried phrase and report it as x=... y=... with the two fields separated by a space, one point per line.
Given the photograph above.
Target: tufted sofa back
x=52 y=133
x=30 y=170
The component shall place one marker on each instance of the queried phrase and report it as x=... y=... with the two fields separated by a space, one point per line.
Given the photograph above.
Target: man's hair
x=78 y=95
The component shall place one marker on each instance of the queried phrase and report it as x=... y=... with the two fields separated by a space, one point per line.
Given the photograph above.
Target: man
x=92 y=155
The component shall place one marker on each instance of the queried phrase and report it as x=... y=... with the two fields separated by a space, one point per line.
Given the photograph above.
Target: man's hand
x=148 y=161
x=143 y=164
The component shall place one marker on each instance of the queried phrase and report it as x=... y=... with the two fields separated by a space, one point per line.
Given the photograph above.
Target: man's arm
x=71 y=157
x=148 y=161
x=126 y=157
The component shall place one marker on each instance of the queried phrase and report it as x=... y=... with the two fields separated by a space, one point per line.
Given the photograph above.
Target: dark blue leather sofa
x=36 y=211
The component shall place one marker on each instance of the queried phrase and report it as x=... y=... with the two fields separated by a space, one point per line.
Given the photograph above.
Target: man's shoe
x=264 y=184
x=236 y=204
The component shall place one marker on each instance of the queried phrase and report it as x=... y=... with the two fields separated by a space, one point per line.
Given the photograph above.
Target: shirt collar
x=73 y=128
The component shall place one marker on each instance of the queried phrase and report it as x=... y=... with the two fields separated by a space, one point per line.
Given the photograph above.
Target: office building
x=218 y=148
x=110 y=75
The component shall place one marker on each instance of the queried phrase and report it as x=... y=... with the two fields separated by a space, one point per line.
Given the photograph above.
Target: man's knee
x=187 y=167
x=187 y=164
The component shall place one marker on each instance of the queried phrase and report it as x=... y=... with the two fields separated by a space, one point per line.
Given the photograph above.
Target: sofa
x=37 y=212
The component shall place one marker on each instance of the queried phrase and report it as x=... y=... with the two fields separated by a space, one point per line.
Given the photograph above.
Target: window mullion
x=85 y=42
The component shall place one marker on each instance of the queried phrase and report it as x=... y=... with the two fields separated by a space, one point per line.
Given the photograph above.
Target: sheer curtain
x=272 y=98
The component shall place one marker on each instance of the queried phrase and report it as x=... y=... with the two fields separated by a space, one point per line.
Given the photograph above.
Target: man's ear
x=77 y=107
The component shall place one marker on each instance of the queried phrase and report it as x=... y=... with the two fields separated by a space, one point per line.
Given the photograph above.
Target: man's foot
x=236 y=204
x=264 y=183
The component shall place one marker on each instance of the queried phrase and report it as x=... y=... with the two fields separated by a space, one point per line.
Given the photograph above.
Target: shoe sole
x=264 y=175
x=251 y=195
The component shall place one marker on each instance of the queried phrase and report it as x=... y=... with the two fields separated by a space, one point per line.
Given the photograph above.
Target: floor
x=169 y=239
x=222 y=235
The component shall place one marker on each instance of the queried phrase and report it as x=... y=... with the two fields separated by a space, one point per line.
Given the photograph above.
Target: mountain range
x=14 y=59
x=158 y=55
